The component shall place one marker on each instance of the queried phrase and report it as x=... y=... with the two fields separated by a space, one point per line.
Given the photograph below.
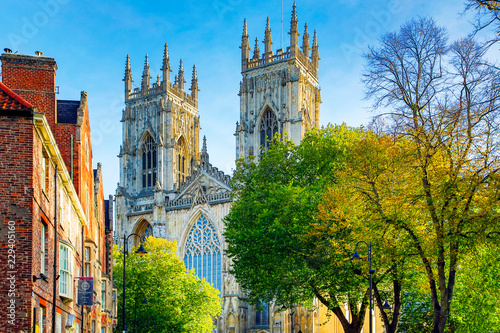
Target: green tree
x=177 y=300
x=440 y=103
x=417 y=314
x=477 y=306
x=286 y=243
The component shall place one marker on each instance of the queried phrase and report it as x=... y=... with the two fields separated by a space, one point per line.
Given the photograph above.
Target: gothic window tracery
x=181 y=163
x=149 y=162
x=262 y=314
x=147 y=232
x=144 y=229
x=268 y=128
x=203 y=252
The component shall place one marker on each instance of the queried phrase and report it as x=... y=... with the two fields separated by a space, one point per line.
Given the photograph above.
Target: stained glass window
x=148 y=232
x=262 y=314
x=149 y=162
x=268 y=127
x=203 y=252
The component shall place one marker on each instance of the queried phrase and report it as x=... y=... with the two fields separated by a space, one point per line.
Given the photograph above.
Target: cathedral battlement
x=309 y=60
x=175 y=88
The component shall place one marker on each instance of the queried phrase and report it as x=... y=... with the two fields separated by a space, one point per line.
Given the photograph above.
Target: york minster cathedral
x=168 y=188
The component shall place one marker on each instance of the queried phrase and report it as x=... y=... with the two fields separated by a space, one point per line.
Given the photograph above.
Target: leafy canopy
x=176 y=299
x=286 y=243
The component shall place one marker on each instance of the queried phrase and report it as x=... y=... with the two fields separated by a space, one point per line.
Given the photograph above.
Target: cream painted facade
x=180 y=196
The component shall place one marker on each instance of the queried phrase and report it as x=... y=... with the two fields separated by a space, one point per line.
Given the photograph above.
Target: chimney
x=34 y=79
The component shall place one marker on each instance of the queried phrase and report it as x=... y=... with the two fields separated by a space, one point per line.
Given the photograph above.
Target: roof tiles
x=9 y=100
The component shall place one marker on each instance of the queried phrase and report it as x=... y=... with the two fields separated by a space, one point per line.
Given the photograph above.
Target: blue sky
x=91 y=39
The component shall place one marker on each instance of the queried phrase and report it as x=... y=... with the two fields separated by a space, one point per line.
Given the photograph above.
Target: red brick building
x=37 y=134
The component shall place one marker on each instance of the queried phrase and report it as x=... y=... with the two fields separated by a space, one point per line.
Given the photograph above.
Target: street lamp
x=141 y=251
x=386 y=305
x=371 y=271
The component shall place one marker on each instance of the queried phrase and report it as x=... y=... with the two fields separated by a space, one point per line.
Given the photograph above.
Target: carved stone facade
x=281 y=86
x=168 y=186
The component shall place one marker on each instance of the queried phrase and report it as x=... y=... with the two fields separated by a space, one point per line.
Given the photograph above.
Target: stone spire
x=204 y=158
x=194 y=84
x=245 y=46
x=294 y=23
x=180 y=78
x=256 y=51
x=146 y=77
x=315 y=53
x=267 y=42
x=294 y=32
x=305 y=42
x=128 y=78
x=166 y=68
x=204 y=148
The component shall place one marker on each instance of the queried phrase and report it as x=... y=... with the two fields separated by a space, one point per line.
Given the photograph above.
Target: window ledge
x=66 y=299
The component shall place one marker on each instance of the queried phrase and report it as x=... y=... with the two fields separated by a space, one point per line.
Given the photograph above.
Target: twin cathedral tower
x=168 y=188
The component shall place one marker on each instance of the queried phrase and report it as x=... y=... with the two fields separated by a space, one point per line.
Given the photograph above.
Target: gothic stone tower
x=279 y=92
x=160 y=144
x=159 y=120
x=168 y=188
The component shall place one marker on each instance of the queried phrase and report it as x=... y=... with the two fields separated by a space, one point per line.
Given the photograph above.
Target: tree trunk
x=391 y=327
x=357 y=317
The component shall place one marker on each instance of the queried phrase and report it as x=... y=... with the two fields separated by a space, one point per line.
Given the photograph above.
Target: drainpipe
x=55 y=276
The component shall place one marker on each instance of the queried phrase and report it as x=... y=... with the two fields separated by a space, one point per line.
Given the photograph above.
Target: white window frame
x=87 y=269
x=41 y=319
x=45 y=169
x=65 y=271
x=43 y=253
x=58 y=322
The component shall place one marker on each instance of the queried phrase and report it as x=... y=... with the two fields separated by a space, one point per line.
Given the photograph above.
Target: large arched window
x=203 y=252
x=144 y=229
x=147 y=232
x=149 y=162
x=262 y=314
x=268 y=127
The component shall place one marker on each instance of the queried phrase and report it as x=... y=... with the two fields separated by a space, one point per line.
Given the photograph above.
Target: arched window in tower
x=268 y=128
x=203 y=252
x=149 y=162
x=181 y=162
x=144 y=229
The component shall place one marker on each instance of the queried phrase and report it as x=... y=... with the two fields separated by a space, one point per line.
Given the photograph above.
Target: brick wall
x=16 y=230
x=26 y=201
x=33 y=78
x=63 y=138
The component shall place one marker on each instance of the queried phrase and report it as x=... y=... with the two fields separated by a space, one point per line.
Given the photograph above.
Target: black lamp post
x=141 y=251
x=371 y=271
